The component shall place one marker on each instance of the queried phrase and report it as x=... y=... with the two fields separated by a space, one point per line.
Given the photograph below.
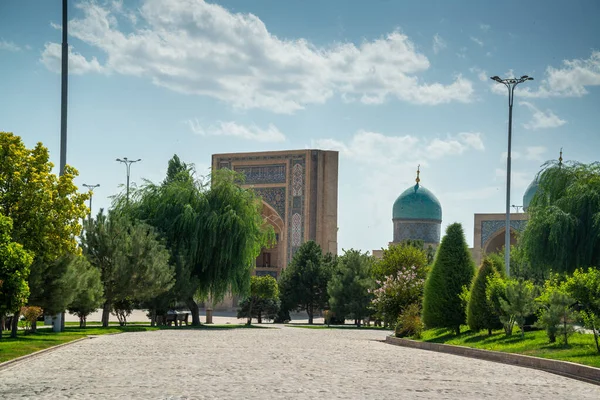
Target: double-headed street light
x=91 y=189
x=128 y=163
x=510 y=83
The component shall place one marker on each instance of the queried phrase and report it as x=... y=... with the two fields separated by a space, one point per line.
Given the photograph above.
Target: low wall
x=564 y=368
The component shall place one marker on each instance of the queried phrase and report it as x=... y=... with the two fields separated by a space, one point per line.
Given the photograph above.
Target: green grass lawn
x=25 y=344
x=581 y=348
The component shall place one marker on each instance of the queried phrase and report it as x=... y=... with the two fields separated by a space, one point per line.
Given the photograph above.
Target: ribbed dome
x=417 y=202
x=529 y=193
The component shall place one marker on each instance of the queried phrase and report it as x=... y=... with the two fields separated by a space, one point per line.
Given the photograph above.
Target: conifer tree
x=452 y=270
x=480 y=313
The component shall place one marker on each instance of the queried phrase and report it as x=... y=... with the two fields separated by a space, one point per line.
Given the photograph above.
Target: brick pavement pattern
x=287 y=363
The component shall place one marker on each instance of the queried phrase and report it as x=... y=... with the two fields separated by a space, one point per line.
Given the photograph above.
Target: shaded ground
x=271 y=363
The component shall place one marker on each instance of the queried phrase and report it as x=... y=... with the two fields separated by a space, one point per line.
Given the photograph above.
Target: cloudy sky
x=388 y=84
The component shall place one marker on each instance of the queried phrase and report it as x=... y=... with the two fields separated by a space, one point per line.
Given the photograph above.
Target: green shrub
x=555 y=314
x=517 y=304
x=480 y=311
x=409 y=322
x=452 y=269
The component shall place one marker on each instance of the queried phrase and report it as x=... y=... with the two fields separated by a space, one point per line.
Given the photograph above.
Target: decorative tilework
x=275 y=197
x=296 y=204
x=297 y=179
x=262 y=173
x=296 y=230
x=428 y=232
x=265 y=273
x=490 y=228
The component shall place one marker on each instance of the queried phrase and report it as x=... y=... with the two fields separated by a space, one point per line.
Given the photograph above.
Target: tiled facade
x=425 y=230
x=300 y=188
x=489 y=231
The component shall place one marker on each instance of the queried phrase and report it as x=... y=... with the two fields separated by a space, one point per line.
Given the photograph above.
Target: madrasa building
x=299 y=192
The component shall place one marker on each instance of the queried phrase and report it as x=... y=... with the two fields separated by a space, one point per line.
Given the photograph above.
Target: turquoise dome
x=529 y=193
x=417 y=202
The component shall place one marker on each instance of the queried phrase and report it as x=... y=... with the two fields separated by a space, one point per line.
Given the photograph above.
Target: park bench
x=181 y=318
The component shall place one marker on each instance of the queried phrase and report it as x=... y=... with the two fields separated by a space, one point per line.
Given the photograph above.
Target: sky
x=389 y=84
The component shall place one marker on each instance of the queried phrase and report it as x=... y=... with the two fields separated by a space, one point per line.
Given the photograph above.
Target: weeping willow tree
x=563 y=232
x=214 y=233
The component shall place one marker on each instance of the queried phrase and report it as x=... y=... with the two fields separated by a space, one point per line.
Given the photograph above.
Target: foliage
x=214 y=234
x=122 y=309
x=480 y=312
x=14 y=271
x=398 y=257
x=46 y=210
x=397 y=292
x=350 y=284
x=452 y=269
x=31 y=314
x=267 y=308
x=133 y=264
x=262 y=290
x=517 y=304
x=584 y=287
x=563 y=232
x=55 y=284
x=409 y=322
x=304 y=282
x=555 y=314
x=89 y=298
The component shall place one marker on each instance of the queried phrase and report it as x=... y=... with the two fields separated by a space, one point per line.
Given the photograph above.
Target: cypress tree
x=452 y=269
x=480 y=314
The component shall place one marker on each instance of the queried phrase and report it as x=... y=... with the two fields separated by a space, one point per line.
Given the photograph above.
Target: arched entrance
x=270 y=261
x=496 y=242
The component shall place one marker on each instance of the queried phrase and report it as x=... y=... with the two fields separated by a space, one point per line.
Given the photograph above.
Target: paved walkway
x=287 y=363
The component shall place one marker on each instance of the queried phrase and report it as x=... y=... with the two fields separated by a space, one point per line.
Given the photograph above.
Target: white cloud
x=535 y=153
x=78 y=64
x=462 y=52
x=376 y=148
x=481 y=74
x=438 y=43
x=476 y=40
x=541 y=119
x=9 y=46
x=572 y=80
x=233 y=129
x=194 y=47
x=518 y=179
x=484 y=27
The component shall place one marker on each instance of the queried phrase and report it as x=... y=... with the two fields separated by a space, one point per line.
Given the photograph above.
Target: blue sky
x=389 y=84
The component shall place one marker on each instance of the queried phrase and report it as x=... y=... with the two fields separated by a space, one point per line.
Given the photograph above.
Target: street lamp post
x=91 y=189
x=128 y=163
x=510 y=84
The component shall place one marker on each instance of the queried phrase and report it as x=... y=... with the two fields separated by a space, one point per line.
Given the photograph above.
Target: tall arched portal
x=270 y=260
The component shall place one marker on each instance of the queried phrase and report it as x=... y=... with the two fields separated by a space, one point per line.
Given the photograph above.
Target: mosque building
x=490 y=229
x=416 y=215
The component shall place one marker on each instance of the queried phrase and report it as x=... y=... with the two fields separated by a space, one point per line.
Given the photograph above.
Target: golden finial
x=560 y=158
x=418 y=172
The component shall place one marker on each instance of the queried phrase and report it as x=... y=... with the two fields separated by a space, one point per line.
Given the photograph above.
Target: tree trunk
x=153 y=317
x=309 y=311
x=15 y=325
x=457 y=330
x=489 y=331
x=193 y=306
x=81 y=321
x=105 y=314
x=595 y=336
x=34 y=326
x=1 y=325
x=259 y=318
